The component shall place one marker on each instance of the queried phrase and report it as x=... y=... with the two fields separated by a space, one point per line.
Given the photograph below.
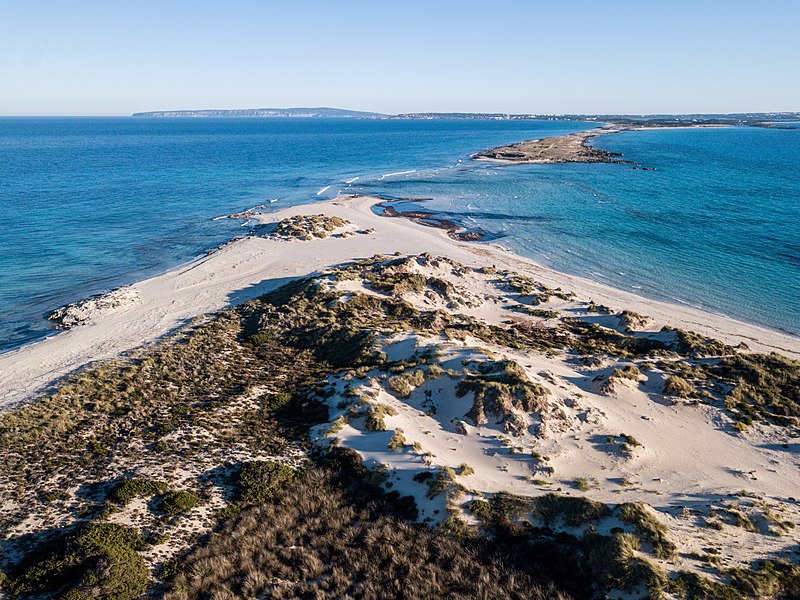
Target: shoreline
x=251 y=266
x=457 y=230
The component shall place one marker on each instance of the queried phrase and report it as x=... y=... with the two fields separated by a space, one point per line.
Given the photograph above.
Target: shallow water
x=89 y=204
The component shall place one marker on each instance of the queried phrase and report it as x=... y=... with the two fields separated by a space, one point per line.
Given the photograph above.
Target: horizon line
x=416 y=112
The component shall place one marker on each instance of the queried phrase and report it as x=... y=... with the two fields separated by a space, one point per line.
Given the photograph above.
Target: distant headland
x=318 y=112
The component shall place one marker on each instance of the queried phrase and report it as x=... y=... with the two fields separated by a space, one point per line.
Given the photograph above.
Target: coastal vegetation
x=308 y=227
x=215 y=464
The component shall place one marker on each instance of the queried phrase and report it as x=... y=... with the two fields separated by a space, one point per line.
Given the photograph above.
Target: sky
x=111 y=57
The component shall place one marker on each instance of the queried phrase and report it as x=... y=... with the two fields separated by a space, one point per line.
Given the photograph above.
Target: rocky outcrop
x=84 y=311
x=574 y=147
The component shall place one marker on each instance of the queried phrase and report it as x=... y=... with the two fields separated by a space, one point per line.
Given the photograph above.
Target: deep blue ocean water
x=89 y=204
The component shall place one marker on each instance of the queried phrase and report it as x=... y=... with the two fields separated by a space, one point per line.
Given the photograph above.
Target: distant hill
x=320 y=112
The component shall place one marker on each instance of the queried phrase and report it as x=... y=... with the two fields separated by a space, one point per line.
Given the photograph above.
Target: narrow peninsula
x=574 y=147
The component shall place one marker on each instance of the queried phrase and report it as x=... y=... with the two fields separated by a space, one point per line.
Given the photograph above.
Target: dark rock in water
x=431 y=219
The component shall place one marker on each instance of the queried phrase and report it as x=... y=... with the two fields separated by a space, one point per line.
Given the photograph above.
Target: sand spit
x=256 y=264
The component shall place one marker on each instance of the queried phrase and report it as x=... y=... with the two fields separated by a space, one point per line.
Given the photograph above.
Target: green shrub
x=404 y=384
x=507 y=508
x=443 y=481
x=582 y=484
x=698 y=346
x=99 y=561
x=631 y=372
x=336 y=425
x=177 y=503
x=397 y=441
x=764 y=387
x=396 y=284
x=276 y=401
x=128 y=489
x=573 y=511
x=629 y=443
x=481 y=509
x=376 y=416
x=454 y=526
x=539 y=312
x=615 y=564
x=261 y=337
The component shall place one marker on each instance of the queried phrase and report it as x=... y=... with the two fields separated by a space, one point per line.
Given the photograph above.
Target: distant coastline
x=779 y=120
x=578 y=148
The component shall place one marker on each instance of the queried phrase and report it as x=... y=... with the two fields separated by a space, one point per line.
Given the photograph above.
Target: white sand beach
x=252 y=266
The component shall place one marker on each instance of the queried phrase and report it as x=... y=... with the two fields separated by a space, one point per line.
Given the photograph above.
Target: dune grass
x=252 y=378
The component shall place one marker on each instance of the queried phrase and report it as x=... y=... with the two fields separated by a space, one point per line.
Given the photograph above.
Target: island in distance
x=323 y=111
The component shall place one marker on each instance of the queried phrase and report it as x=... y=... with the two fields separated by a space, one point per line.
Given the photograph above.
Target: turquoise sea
x=88 y=204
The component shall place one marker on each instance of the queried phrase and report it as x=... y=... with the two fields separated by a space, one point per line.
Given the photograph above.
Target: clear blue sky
x=101 y=57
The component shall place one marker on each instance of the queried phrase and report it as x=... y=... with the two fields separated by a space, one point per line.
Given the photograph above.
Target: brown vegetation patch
x=307 y=227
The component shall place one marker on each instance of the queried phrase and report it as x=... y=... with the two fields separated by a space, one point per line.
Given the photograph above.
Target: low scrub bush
x=98 y=561
x=404 y=383
x=376 y=416
x=347 y=543
x=128 y=489
x=572 y=511
x=177 y=503
x=443 y=481
x=397 y=441
x=764 y=387
x=631 y=372
x=678 y=386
